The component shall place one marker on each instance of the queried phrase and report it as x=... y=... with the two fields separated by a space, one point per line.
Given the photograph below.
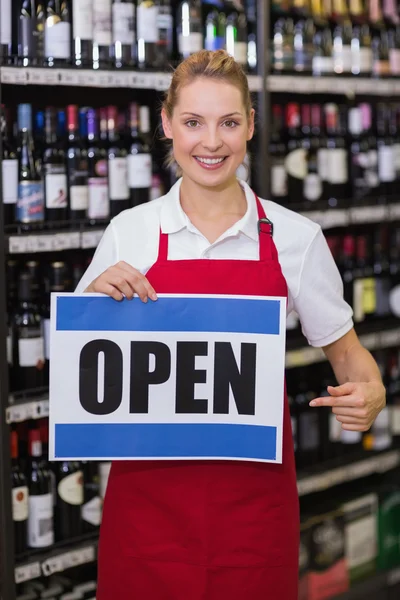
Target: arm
x=361 y=394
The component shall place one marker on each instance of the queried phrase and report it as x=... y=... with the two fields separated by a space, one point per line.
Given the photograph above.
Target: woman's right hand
x=123 y=281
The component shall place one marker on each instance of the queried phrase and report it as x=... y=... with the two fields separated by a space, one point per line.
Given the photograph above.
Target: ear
x=166 y=125
x=250 y=130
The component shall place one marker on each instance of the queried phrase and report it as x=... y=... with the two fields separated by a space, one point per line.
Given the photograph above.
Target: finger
x=350 y=420
x=352 y=401
x=150 y=291
x=342 y=390
x=136 y=281
x=355 y=427
x=103 y=287
x=360 y=413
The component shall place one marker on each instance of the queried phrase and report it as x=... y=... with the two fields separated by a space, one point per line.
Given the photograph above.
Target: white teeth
x=210 y=161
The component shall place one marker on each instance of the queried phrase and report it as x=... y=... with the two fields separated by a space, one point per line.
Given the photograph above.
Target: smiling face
x=209 y=129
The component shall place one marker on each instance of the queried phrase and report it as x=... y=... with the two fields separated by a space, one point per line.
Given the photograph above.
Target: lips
x=210 y=163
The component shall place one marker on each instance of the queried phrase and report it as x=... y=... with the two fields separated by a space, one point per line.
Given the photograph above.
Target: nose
x=212 y=139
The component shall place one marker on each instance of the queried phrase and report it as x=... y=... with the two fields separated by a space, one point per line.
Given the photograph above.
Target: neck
x=212 y=202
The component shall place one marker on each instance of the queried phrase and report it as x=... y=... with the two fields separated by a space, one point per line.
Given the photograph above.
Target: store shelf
x=98 y=79
x=53 y=241
x=357 y=215
x=36 y=408
x=348 y=86
x=56 y=560
x=308 y=355
x=328 y=477
x=374 y=587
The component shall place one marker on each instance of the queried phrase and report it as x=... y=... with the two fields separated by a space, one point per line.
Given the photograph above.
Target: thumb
x=341 y=390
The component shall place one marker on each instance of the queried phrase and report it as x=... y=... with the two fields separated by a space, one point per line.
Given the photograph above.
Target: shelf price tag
x=45 y=243
x=394 y=211
x=390 y=338
x=90 y=239
x=73 y=558
x=368 y=214
x=370 y=341
x=162 y=81
x=27 y=572
x=68 y=77
x=255 y=83
x=14 y=75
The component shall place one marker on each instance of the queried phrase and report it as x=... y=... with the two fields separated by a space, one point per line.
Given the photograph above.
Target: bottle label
x=83 y=19
x=164 y=20
x=395 y=421
x=56 y=187
x=394 y=300
x=279 y=186
x=394 y=61
x=20 y=503
x=79 y=197
x=40 y=521
x=365 y=60
x=102 y=34
x=9 y=349
x=312 y=187
x=351 y=437
x=30 y=203
x=104 y=472
x=31 y=351
x=123 y=20
x=5 y=22
x=139 y=171
x=46 y=338
x=99 y=206
x=57 y=39
x=323 y=163
x=381 y=67
x=337 y=166
x=70 y=489
x=240 y=52
x=118 y=179
x=91 y=511
x=322 y=65
x=147 y=28
x=369 y=296
x=343 y=59
x=361 y=541
x=396 y=155
x=358 y=300
x=10 y=180
x=335 y=429
x=386 y=164
x=189 y=44
x=381 y=432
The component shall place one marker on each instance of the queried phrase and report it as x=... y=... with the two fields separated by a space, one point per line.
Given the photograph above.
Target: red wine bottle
x=40 y=519
x=19 y=495
x=139 y=162
x=117 y=165
x=69 y=500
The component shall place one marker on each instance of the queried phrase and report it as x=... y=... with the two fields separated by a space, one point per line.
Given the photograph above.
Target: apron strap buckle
x=265 y=226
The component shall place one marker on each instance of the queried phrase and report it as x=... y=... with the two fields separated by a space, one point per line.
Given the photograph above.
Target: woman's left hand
x=356 y=405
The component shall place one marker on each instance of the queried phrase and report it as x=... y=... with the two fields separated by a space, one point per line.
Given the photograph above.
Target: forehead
x=207 y=96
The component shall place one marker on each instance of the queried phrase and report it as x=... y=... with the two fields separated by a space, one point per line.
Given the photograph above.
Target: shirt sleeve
x=105 y=256
x=324 y=315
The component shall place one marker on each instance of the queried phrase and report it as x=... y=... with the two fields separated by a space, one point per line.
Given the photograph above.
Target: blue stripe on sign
x=231 y=315
x=133 y=440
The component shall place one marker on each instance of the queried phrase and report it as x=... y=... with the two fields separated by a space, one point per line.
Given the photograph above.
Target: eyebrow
x=223 y=117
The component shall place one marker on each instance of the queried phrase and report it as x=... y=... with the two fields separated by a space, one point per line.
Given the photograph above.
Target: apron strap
x=265 y=230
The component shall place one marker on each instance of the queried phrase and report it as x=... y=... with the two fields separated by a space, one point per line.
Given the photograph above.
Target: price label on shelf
x=17 y=244
x=68 y=77
x=368 y=214
x=387 y=462
x=35 y=409
x=27 y=572
x=370 y=341
x=162 y=81
x=51 y=77
x=14 y=75
x=390 y=338
x=73 y=558
x=35 y=76
x=66 y=241
x=90 y=239
x=394 y=211
x=255 y=83
x=45 y=243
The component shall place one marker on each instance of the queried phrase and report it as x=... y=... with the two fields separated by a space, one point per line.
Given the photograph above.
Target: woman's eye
x=192 y=123
x=230 y=124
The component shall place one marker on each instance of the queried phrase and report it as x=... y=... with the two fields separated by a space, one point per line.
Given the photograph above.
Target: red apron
x=204 y=530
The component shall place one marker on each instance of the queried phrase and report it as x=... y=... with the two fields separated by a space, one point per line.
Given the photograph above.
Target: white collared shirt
x=315 y=289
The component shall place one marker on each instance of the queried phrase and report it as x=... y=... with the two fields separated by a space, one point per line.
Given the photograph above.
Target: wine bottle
x=31 y=24
x=380 y=51
x=69 y=482
x=77 y=163
x=40 y=518
x=55 y=172
x=5 y=31
x=364 y=290
x=55 y=283
x=147 y=32
x=322 y=61
x=338 y=179
x=9 y=165
x=117 y=165
x=91 y=508
x=381 y=268
x=295 y=163
x=102 y=33
x=361 y=51
x=210 y=27
x=342 y=51
x=124 y=33
x=82 y=20
x=236 y=32
x=19 y=495
x=189 y=28
x=57 y=33
x=163 y=50
x=313 y=187
x=358 y=155
x=386 y=157
x=251 y=16
x=139 y=162
x=303 y=48
x=28 y=347
x=99 y=206
x=308 y=428
x=371 y=168
x=394 y=50
x=30 y=202
x=393 y=392
x=277 y=153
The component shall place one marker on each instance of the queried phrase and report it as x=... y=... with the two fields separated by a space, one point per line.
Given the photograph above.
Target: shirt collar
x=174 y=219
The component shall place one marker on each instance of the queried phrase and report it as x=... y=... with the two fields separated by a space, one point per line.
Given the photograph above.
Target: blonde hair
x=207 y=64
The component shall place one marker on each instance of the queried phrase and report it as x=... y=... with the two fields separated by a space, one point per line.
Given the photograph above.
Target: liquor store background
x=81 y=86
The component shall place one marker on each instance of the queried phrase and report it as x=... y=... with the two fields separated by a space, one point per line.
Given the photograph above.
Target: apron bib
x=204 y=530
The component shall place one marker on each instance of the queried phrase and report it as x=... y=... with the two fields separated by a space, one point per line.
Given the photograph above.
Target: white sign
x=185 y=377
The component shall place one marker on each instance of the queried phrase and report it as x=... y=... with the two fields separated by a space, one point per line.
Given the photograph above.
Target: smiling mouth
x=210 y=161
